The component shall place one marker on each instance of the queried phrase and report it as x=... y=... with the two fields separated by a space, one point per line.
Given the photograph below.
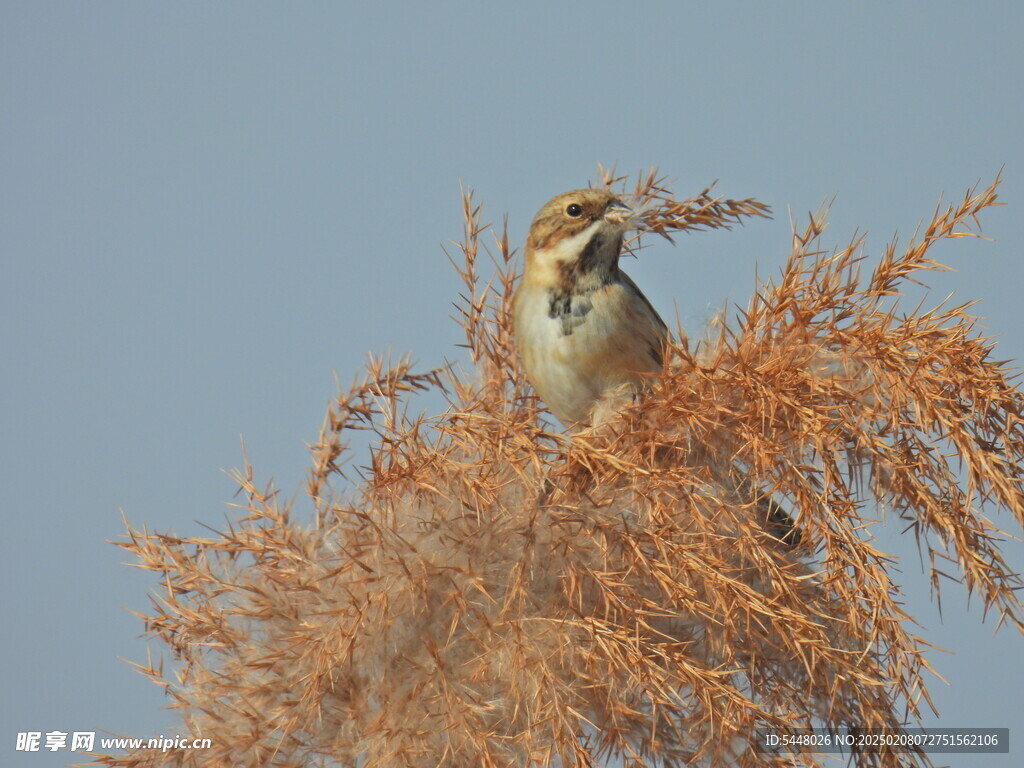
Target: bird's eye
x=574 y=211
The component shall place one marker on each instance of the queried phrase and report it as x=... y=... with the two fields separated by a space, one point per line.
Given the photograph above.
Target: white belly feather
x=611 y=345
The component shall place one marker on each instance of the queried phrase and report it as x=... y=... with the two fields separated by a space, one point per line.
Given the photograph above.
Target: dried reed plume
x=493 y=592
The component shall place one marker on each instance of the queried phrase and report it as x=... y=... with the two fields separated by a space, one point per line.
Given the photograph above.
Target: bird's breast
x=576 y=346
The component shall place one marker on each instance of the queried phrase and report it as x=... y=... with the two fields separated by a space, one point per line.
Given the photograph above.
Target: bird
x=586 y=334
x=583 y=328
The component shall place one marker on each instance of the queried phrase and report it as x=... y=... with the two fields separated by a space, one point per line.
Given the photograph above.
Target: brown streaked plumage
x=583 y=328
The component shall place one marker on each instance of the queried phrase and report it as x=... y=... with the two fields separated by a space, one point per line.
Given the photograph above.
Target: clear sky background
x=208 y=209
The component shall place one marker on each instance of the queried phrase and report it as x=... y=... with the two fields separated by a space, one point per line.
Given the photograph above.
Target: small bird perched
x=582 y=327
x=585 y=332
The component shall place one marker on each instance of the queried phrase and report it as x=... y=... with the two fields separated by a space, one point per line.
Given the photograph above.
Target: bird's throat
x=590 y=265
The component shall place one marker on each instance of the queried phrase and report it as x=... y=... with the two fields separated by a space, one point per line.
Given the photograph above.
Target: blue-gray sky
x=206 y=209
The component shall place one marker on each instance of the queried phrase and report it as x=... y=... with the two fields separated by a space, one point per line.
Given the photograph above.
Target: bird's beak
x=617 y=212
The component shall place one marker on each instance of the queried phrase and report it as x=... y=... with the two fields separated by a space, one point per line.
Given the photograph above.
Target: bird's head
x=575 y=239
